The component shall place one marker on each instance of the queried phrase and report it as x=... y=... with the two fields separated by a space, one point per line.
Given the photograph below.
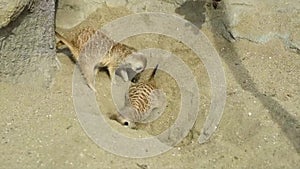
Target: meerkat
x=93 y=49
x=142 y=101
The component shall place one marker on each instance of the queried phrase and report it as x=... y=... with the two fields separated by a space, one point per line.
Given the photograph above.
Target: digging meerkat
x=144 y=102
x=93 y=49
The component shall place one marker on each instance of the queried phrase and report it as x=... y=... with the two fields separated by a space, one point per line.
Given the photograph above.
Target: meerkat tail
x=68 y=44
x=153 y=73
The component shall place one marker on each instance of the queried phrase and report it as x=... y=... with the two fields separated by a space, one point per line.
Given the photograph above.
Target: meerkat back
x=92 y=54
x=76 y=45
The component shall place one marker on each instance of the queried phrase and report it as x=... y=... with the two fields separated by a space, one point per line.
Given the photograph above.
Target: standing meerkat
x=144 y=102
x=93 y=49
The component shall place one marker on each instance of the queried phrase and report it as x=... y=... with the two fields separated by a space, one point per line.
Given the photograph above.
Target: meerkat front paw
x=124 y=75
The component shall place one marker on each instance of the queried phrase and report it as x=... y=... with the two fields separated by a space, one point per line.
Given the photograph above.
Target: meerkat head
x=125 y=122
x=137 y=62
x=124 y=117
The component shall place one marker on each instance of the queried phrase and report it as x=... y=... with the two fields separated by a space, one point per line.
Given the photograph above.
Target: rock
x=78 y=11
x=27 y=52
x=262 y=21
x=11 y=9
x=152 y=6
x=116 y=3
x=75 y=11
x=256 y=21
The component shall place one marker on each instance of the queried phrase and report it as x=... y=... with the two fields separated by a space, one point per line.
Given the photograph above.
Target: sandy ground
x=259 y=128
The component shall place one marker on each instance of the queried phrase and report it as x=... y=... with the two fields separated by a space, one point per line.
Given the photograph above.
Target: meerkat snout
x=123 y=121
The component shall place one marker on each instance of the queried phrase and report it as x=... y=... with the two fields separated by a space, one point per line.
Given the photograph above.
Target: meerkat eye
x=139 y=68
x=126 y=123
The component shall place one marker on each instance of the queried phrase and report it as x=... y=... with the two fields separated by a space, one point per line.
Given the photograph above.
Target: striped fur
x=140 y=101
x=139 y=96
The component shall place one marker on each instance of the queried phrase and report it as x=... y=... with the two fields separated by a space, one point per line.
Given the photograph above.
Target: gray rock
x=262 y=21
x=115 y=3
x=27 y=45
x=11 y=9
x=153 y=5
x=78 y=11
x=75 y=11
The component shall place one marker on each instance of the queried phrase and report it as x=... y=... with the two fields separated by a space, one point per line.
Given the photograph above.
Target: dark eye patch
x=139 y=68
x=136 y=78
x=126 y=123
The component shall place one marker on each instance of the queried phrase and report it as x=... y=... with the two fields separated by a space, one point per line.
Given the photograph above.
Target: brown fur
x=92 y=53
